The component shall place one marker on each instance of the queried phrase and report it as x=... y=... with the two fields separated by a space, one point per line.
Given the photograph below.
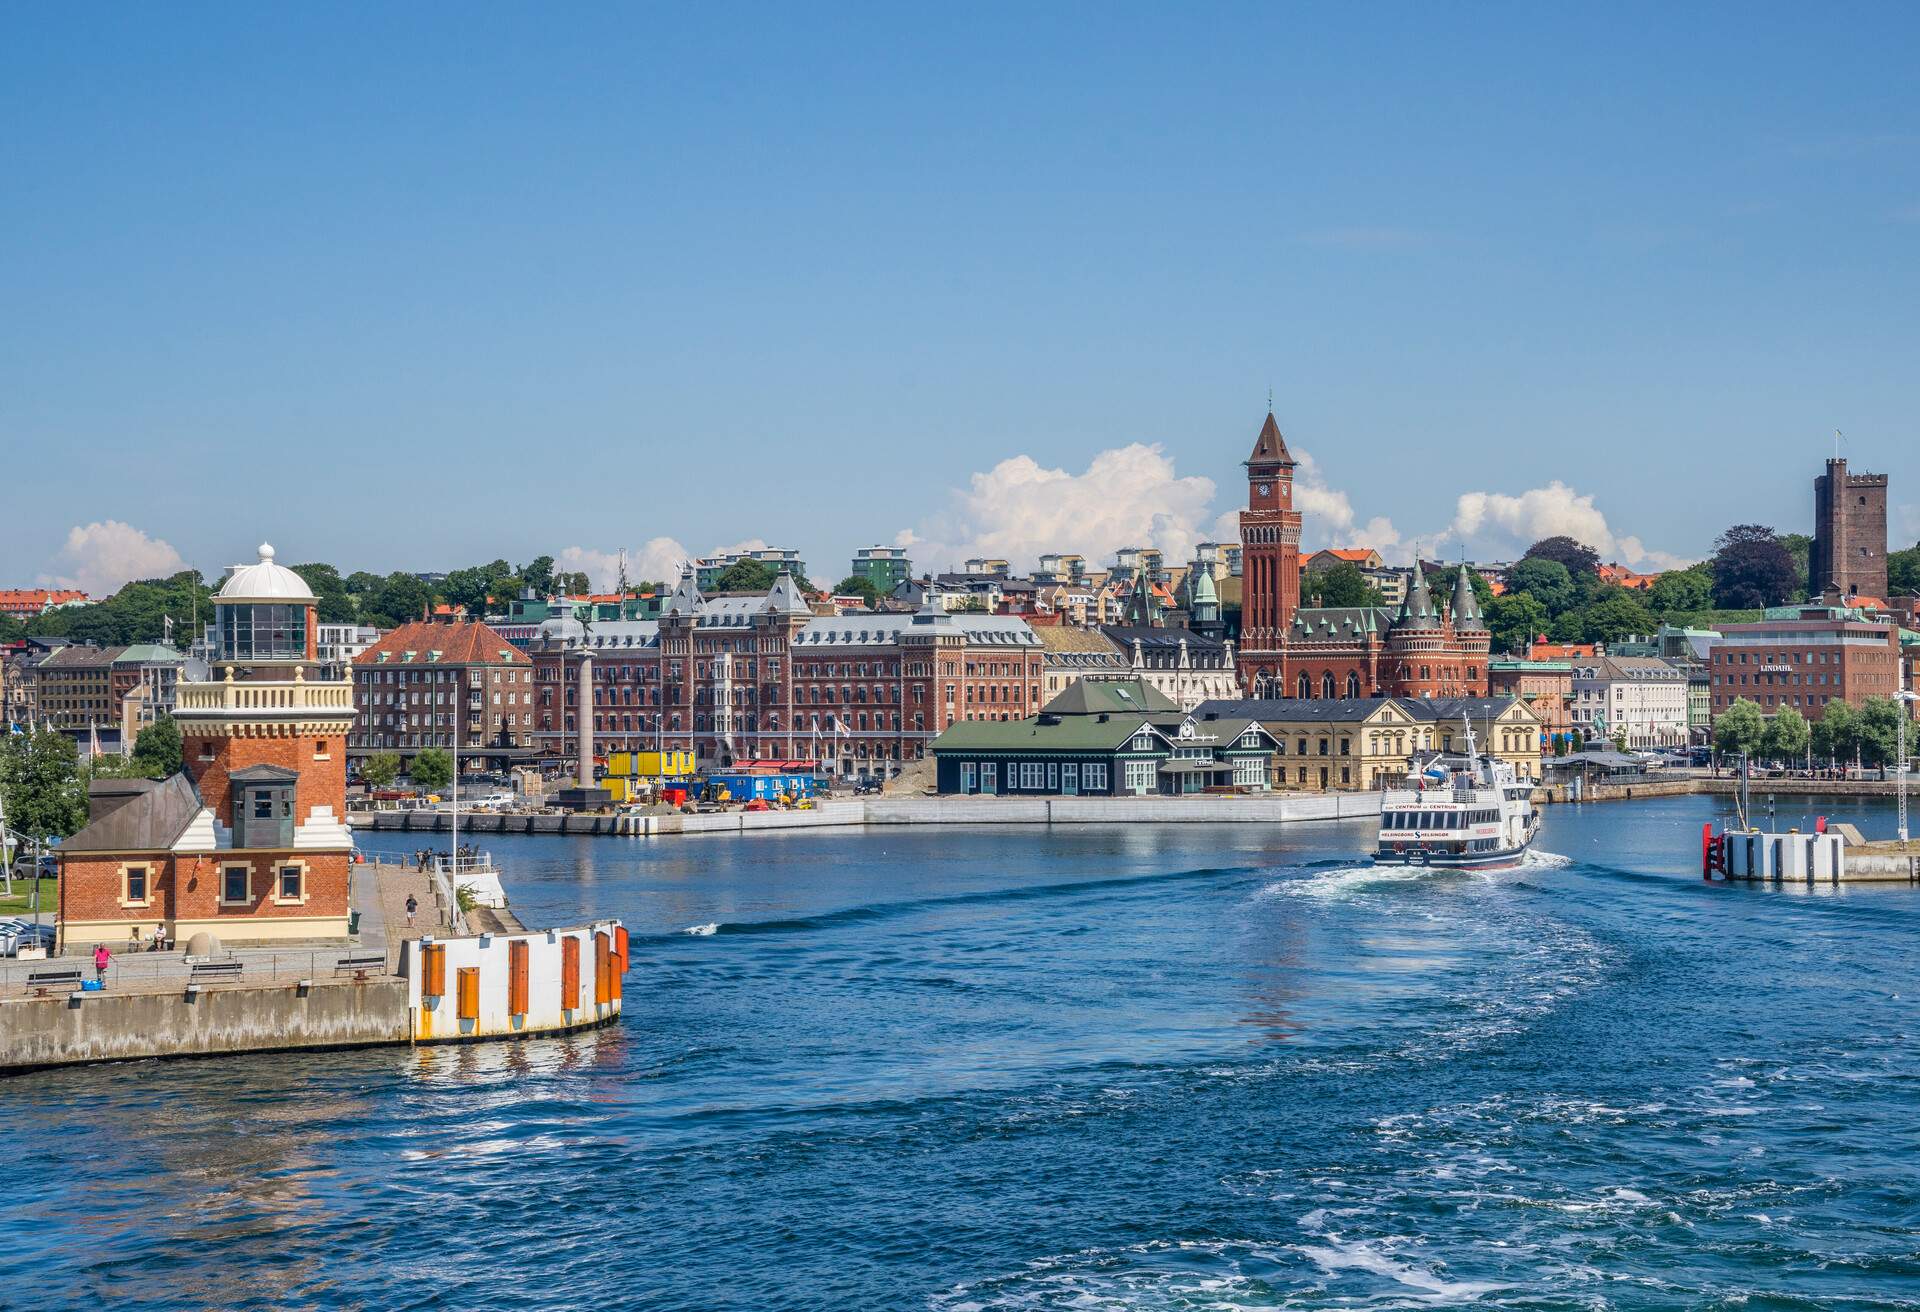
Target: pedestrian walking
x=101 y=959
x=413 y=905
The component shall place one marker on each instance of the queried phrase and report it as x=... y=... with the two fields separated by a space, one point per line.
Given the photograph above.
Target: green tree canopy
x=859 y=585
x=469 y=588
x=1443 y=581
x=1546 y=581
x=138 y=612
x=380 y=771
x=1903 y=572
x=754 y=576
x=538 y=575
x=336 y=603
x=1751 y=568
x=395 y=600
x=158 y=747
x=1615 y=613
x=43 y=784
x=1739 y=728
x=1800 y=551
x=1879 y=723
x=1515 y=619
x=1787 y=736
x=1577 y=557
x=1341 y=584
x=1837 y=732
x=432 y=769
x=1682 y=591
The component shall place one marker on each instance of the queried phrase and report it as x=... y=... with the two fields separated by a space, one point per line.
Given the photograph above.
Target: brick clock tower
x=1269 y=563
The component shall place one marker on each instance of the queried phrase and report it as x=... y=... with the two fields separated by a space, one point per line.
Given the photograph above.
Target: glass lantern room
x=261 y=631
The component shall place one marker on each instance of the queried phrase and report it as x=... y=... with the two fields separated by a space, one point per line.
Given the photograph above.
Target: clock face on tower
x=1262 y=488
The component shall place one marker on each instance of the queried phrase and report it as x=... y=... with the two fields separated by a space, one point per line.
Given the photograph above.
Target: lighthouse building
x=249 y=841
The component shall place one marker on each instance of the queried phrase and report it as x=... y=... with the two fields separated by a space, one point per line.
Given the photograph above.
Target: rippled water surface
x=1190 y=1067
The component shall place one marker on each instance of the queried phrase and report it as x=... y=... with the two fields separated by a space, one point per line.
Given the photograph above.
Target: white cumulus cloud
x=98 y=558
x=1330 y=519
x=655 y=560
x=1498 y=523
x=1126 y=496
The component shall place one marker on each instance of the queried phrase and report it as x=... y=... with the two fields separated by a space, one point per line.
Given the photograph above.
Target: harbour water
x=1008 y=1068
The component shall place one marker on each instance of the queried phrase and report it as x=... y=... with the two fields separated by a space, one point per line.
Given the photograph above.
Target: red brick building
x=1419 y=650
x=249 y=841
x=1822 y=653
x=427 y=681
x=742 y=677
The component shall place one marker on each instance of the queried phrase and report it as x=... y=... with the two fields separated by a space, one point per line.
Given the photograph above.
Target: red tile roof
x=463 y=642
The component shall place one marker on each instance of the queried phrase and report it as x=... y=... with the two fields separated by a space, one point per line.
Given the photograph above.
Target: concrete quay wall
x=1275 y=809
x=67 y=1029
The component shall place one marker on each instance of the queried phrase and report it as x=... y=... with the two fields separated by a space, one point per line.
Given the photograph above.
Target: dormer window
x=263 y=806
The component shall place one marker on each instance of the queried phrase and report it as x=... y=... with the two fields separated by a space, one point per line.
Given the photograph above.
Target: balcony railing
x=231 y=697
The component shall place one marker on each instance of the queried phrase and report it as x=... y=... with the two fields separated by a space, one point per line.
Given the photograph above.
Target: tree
x=380 y=771
x=538 y=575
x=1751 y=568
x=1341 y=584
x=1682 y=591
x=43 y=784
x=107 y=765
x=1739 y=728
x=1800 y=550
x=336 y=604
x=1576 y=556
x=1837 y=732
x=158 y=747
x=138 y=612
x=1787 y=737
x=471 y=587
x=754 y=576
x=432 y=769
x=395 y=600
x=859 y=585
x=1903 y=572
x=1547 y=581
x=575 y=584
x=1879 y=721
x=1569 y=628
x=1579 y=740
x=1514 y=620
x=1615 y=614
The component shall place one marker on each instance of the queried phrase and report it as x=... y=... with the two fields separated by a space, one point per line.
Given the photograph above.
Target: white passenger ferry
x=1472 y=814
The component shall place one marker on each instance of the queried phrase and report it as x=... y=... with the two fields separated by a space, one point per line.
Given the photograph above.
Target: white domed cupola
x=264 y=612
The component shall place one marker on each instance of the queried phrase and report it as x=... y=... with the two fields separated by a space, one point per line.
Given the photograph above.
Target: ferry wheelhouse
x=1468 y=812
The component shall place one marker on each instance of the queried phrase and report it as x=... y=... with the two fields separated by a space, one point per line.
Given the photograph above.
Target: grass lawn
x=21 y=903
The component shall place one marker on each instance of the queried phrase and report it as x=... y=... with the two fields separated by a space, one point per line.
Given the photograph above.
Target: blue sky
x=410 y=286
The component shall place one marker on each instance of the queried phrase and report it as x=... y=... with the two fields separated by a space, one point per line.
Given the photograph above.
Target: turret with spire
x=1417 y=611
x=1466 y=606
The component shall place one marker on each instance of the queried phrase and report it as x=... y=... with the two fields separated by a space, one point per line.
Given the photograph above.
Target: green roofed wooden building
x=1103 y=737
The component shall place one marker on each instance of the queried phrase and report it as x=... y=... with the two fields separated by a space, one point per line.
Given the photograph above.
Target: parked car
x=16 y=934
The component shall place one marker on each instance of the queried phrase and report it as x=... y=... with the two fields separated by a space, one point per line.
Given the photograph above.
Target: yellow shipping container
x=675 y=763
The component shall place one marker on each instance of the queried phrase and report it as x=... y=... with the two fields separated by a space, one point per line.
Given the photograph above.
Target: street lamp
x=1902 y=699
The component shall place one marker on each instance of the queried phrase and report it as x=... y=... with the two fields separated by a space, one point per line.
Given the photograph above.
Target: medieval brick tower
x=1849 y=552
x=1269 y=561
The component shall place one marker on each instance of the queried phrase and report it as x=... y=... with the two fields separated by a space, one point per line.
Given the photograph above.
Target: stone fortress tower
x=1849 y=552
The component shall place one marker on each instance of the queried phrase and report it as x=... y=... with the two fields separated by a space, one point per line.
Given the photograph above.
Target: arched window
x=1306 y=685
x=1326 y=685
x=1353 y=684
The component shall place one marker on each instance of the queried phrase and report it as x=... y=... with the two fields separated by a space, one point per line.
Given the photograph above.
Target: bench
x=361 y=964
x=200 y=970
x=42 y=980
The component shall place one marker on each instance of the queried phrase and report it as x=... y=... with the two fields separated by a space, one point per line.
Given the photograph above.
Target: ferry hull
x=1499 y=859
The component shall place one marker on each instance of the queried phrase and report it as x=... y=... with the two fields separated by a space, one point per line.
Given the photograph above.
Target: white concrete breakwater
x=975 y=810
